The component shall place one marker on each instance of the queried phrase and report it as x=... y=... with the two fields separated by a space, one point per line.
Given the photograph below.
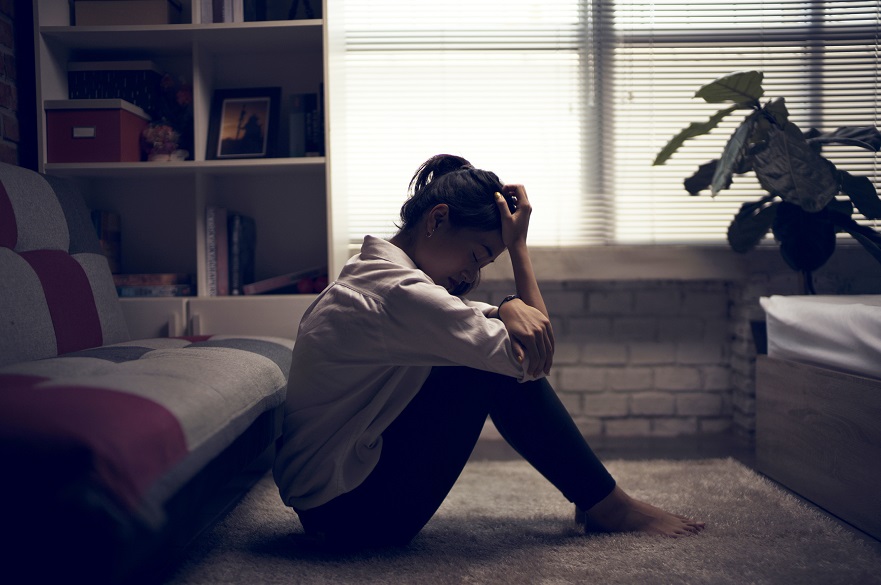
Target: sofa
x=112 y=448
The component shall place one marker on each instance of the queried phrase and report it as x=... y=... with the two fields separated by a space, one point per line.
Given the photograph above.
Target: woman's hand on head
x=533 y=334
x=516 y=224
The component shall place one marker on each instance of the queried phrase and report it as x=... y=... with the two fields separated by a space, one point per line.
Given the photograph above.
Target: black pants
x=427 y=446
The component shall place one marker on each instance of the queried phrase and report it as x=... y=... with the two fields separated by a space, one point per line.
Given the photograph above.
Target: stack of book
x=153 y=285
x=258 y=10
x=230 y=244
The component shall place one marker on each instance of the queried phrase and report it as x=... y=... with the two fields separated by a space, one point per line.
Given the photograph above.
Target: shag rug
x=504 y=523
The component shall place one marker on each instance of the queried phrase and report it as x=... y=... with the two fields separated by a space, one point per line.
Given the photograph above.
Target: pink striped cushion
x=57 y=293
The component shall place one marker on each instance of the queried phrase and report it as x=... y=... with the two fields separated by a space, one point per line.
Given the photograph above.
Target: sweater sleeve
x=425 y=325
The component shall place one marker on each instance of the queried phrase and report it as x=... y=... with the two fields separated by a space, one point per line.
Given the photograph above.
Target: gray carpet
x=503 y=523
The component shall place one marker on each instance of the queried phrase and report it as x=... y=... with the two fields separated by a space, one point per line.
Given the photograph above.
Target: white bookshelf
x=162 y=205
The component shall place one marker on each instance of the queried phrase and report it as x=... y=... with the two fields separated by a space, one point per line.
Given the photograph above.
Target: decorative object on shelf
x=801 y=208
x=105 y=130
x=244 y=123
x=160 y=143
x=170 y=133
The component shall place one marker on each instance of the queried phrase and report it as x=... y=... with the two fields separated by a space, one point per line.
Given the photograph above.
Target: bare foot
x=618 y=512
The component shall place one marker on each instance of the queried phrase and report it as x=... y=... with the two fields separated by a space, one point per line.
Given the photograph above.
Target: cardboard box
x=93 y=131
x=126 y=12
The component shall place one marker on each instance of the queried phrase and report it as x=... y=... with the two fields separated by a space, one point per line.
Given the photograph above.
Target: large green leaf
x=790 y=169
x=693 y=129
x=869 y=238
x=866 y=137
x=701 y=178
x=751 y=224
x=863 y=194
x=741 y=87
x=734 y=152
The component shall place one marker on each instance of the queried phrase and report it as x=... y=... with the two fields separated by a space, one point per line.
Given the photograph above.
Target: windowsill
x=627 y=263
x=663 y=262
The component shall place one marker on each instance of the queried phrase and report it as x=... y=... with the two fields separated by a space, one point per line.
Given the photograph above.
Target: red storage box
x=93 y=131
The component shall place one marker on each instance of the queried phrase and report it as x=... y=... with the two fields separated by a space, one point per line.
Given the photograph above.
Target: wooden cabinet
x=162 y=204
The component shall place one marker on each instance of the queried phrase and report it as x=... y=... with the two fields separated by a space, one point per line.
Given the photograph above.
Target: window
x=574 y=98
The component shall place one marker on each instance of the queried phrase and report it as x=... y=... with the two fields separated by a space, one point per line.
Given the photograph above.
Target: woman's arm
x=527 y=318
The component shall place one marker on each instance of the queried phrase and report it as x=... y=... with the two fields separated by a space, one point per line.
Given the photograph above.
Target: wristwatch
x=505 y=300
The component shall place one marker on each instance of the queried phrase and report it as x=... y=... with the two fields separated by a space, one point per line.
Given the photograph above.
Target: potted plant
x=808 y=199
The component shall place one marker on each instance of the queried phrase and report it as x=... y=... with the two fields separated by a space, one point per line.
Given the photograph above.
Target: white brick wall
x=667 y=358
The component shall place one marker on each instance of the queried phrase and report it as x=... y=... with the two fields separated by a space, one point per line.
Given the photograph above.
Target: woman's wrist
x=507 y=299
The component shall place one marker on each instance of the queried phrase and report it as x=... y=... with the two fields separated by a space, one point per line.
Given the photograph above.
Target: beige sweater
x=363 y=350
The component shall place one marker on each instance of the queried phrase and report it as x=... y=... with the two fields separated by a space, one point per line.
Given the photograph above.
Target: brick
x=9 y=67
x=609 y=303
x=651 y=353
x=634 y=329
x=10 y=128
x=629 y=427
x=630 y=378
x=566 y=352
x=680 y=329
x=571 y=400
x=8 y=153
x=718 y=330
x=699 y=404
x=7 y=36
x=677 y=378
x=743 y=403
x=589 y=327
x=7 y=7
x=744 y=422
x=653 y=403
x=716 y=378
x=581 y=378
x=715 y=425
x=673 y=427
x=657 y=302
x=707 y=304
x=564 y=302
x=698 y=353
x=606 y=404
x=604 y=353
x=589 y=426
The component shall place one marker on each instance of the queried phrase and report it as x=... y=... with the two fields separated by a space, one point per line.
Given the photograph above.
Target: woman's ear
x=437 y=216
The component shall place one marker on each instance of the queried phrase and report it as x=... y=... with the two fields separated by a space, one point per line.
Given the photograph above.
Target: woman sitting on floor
x=394 y=374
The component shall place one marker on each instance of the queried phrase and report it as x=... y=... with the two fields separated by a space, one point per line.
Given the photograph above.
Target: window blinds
x=496 y=81
x=575 y=98
x=821 y=56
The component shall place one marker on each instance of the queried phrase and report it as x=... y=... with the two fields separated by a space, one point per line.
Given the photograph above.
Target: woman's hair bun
x=436 y=166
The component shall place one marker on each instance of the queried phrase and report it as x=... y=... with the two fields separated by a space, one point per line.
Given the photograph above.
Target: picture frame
x=244 y=123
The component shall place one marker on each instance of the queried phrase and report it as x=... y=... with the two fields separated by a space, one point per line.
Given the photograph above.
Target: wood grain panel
x=818 y=432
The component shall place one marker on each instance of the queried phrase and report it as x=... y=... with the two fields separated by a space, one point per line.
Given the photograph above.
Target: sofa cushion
x=57 y=293
x=139 y=418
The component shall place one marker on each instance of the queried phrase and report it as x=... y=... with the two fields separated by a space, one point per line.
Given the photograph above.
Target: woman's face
x=452 y=256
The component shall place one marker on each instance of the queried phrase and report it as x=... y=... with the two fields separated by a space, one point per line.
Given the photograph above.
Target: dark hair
x=469 y=193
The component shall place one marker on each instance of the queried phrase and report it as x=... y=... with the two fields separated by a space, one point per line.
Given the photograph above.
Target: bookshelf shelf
x=188 y=167
x=162 y=205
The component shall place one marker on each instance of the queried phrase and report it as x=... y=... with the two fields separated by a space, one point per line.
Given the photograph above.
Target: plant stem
x=808 y=282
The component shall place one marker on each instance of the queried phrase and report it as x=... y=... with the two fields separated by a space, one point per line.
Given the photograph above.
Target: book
x=217 y=250
x=108 y=226
x=242 y=245
x=151 y=279
x=157 y=290
x=306 y=125
x=301 y=281
x=297 y=117
x=207 y=11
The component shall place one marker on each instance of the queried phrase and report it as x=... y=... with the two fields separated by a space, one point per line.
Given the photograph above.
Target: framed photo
x=244 y=123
